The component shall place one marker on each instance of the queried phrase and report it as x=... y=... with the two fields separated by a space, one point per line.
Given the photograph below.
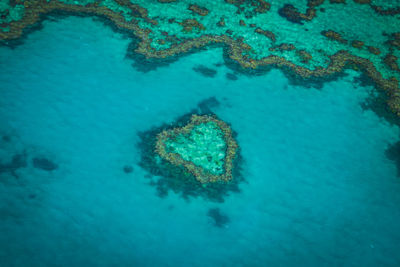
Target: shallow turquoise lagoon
x=319 y=191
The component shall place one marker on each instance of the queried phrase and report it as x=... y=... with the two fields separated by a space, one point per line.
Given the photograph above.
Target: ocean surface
x=320 y=189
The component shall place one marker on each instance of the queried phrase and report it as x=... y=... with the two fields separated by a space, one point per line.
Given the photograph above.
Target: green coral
x=78 y=2
x=169 y=24
x=10 y=14
x=204 y=146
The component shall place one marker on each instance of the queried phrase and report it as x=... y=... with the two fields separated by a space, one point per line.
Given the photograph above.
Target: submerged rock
x=393 y=153
x=220 y=220
x=205 y=71
x=231 y=76
x=17 y=161
x=128 y=169
x=207 y=105
x=44 y=164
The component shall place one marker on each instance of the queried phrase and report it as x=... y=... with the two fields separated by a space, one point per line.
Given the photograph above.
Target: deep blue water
x=320 y=189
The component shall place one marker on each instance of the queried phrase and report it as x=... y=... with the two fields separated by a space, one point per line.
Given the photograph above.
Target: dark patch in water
x=231 y=76
x=205 y=71
x=377 y=103
x=377 y=100
x=207 y=105
x=6 y=138
x=290 y=13
x=128 y=169
x=393 y=153
x=44 y=164
x=18 y=161
x=363 y=80
x=220 y=219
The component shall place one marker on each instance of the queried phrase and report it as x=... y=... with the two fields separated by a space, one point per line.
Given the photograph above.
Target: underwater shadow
x=393 y=154
x=219 y=218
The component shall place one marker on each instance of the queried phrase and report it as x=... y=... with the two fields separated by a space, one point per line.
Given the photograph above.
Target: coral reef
x=394 y=40
x=250 y=7
x=205 y=147
x=202 y=11
x=283 y=47
x=373 y=50
x=357 y=44
x=332 y=35
x=191 y=156
x=189 y=24
x=291 y=13
x=391 y=61
x=362 y=1
x=236 y=26
x=386 y=12
x=337 y=1
x=266 y=33
x=304 y=56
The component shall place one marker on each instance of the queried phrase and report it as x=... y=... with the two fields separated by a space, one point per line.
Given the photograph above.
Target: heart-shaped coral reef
x=204 y=147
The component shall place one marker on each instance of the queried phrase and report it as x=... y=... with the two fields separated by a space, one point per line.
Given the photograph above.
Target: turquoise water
x=319 y=187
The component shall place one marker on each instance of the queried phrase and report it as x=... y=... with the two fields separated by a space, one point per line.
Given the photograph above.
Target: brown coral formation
x=332 y=35
x=391 y=11
x=292 y=14
x=394 y=40
x=373 y=50
x=386 y=12
x=266 y=33
x=166 y=1
x=137 y=11
x=362 y=1
x=282 y=47
x=357 y=44
x=202 y=11
x=250 y=7
x=314 y=3
x=221 y=22
x=161 y=41
x=262 y=6
x=305 y=57
x=189 y=24
x=391 y=61
x=198 y=172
